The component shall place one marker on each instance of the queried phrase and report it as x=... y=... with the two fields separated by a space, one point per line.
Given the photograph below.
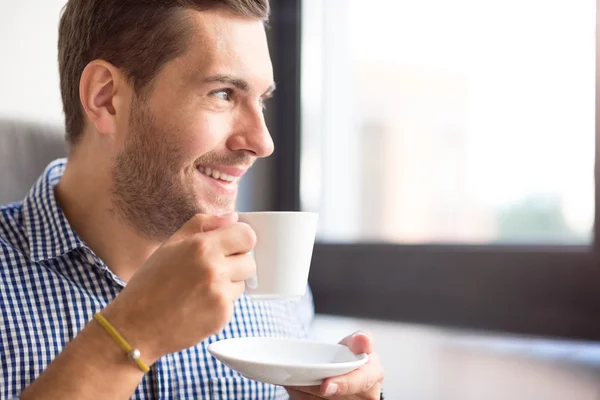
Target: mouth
x=224 y=180
x=218 y=175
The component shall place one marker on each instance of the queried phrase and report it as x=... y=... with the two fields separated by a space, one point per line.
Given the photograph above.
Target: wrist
x=82 y=369
x=134 y=331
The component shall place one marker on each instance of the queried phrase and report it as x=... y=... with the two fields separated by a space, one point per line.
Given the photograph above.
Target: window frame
x=539 y=290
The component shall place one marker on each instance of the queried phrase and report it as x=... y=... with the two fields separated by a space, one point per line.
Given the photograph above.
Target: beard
x=150 y=192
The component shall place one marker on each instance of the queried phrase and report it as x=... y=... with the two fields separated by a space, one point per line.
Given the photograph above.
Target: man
x=163 y=104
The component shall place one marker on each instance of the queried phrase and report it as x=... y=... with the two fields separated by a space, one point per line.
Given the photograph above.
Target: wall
x=28 y=67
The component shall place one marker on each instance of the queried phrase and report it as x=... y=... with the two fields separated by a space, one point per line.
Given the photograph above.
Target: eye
x=223 y=94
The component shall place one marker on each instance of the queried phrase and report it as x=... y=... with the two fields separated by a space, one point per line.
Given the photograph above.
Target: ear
x=102 y=91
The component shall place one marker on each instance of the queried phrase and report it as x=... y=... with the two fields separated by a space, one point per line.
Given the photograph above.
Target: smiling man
x=136 y=232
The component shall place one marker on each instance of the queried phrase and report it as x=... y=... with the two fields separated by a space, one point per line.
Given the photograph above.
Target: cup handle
x=252 y=283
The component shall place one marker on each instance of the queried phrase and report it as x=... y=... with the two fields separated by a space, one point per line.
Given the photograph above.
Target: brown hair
x=137 y=36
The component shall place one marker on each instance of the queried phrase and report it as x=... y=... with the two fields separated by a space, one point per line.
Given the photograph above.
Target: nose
x=252 y=134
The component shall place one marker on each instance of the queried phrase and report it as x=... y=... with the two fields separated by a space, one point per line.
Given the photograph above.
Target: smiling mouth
x=218 y=175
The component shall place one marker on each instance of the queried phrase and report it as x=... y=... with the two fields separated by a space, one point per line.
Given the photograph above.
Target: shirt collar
x=48 y=231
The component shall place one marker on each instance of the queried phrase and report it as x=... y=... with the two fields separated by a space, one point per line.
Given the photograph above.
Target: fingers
x=234 y=290
x=205 y=223
x=236 y=239
x=300 y=395
x=241 y=267
x=359 y=342
x=362 y=380
x=223 y=234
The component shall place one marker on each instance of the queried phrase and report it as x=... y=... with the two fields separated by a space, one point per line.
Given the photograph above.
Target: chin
x=216 y=209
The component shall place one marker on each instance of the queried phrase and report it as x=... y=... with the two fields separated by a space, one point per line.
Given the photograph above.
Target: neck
x=84 y=194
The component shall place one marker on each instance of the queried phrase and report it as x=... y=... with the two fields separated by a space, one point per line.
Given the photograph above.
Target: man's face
x=188 y=144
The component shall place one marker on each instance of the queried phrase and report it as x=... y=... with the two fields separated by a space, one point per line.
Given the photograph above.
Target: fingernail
x=331 y=389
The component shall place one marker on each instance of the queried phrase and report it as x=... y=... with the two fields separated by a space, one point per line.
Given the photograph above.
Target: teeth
x=216 y=174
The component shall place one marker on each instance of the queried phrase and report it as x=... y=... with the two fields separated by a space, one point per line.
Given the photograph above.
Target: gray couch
x=25 y=150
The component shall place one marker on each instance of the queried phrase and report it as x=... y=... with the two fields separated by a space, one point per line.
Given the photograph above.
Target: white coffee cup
x=283 y=253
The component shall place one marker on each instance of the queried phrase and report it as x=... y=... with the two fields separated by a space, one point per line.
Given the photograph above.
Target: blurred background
x=449 y=121
x=436 y=138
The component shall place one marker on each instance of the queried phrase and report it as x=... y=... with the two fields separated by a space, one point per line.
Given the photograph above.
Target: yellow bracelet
x=133 y=354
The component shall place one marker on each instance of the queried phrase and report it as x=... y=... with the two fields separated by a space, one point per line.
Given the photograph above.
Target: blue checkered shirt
x=51 y=284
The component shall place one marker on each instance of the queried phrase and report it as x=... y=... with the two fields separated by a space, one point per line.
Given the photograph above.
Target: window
x=437 y=121
x=449 y=147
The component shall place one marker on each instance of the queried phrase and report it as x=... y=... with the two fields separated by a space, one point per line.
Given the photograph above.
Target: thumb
x=205 y=223
x=359 y=342
x=213 y=222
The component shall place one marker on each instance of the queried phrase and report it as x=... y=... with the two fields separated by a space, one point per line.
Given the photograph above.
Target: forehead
x=224 y=43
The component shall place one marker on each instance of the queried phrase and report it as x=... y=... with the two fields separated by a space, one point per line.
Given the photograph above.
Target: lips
x=223 y=179
x=217 y=174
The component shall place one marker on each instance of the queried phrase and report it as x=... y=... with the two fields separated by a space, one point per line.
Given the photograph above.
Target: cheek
x=191 y=128
x=205 y=134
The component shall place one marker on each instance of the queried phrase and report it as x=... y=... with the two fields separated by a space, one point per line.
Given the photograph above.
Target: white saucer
x=286 y=362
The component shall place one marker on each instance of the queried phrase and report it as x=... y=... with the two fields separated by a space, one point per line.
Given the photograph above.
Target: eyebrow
x=238 y=83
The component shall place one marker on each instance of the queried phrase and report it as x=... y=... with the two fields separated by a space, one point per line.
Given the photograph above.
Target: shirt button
x=91 y=259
